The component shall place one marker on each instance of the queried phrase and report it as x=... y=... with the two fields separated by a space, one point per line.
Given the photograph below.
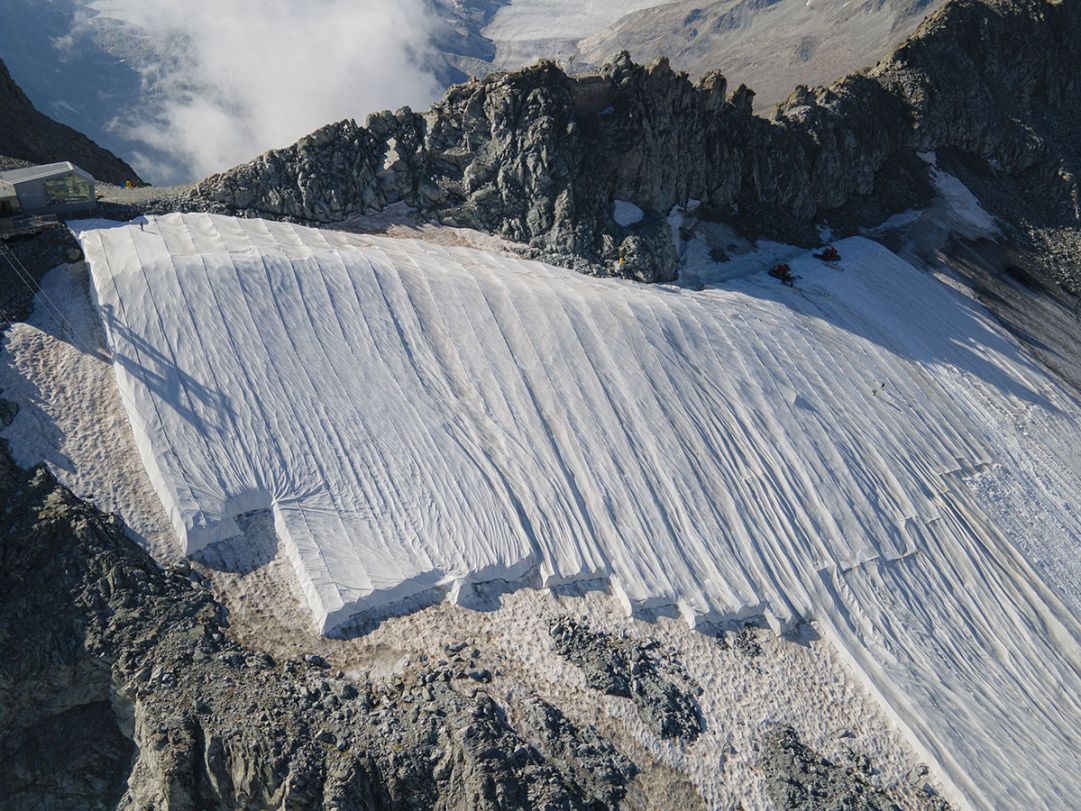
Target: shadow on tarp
x=164 y=379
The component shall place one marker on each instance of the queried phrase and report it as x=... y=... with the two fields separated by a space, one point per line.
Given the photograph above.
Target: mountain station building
x=55 y=188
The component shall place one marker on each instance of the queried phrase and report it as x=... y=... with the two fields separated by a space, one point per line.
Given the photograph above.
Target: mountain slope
x=420 y=419
x=542 y=158
x=106 y=72
x=523 y=31
x=29 y=135
x=770 y=46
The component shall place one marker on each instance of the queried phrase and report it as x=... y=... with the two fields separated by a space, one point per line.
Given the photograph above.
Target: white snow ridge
x=420 y=417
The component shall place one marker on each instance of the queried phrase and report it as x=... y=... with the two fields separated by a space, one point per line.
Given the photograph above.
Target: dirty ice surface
x=419 y=418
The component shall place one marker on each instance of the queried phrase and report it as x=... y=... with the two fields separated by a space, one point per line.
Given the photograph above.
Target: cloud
x=224 y=80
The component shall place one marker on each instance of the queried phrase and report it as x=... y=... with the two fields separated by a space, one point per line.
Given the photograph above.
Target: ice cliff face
x=538 y=157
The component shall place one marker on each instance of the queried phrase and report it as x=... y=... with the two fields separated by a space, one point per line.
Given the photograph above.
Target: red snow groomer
x=828 y=254
x=784 y=273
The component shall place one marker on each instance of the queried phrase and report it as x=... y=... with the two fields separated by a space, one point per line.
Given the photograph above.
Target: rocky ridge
x=539 y=157
x=662 y=693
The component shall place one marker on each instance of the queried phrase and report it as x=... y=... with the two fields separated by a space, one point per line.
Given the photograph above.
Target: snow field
x=421 y=418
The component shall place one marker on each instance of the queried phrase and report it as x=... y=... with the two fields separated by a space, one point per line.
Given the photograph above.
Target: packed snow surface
x=419 y=417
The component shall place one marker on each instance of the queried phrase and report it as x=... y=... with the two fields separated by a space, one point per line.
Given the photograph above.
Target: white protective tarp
x=420 y=417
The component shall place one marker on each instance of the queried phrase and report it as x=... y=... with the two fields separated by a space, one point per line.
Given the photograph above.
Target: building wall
x=40 y=195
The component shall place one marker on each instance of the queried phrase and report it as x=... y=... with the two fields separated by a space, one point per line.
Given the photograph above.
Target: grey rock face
x=1008 y=120
x=538 y=157
x=595 y=766
x=1010 y=63
x=660 y=690
x=121 y=688
x=799 y=779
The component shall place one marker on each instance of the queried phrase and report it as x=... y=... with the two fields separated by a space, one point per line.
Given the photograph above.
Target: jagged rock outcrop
x=994 y=78
x=658 y=686
x=538 y=157
x=995 y=87
x=30 y=135
x=799 y=779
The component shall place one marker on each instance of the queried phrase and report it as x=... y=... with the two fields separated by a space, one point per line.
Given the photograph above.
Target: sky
x=225 y=80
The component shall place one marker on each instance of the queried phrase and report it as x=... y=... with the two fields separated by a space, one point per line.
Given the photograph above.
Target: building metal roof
x=16 y=176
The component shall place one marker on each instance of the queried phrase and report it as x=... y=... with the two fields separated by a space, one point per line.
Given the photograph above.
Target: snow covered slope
x=420 y=417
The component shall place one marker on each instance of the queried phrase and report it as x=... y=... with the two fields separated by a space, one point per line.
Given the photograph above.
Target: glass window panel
x=67 y=189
